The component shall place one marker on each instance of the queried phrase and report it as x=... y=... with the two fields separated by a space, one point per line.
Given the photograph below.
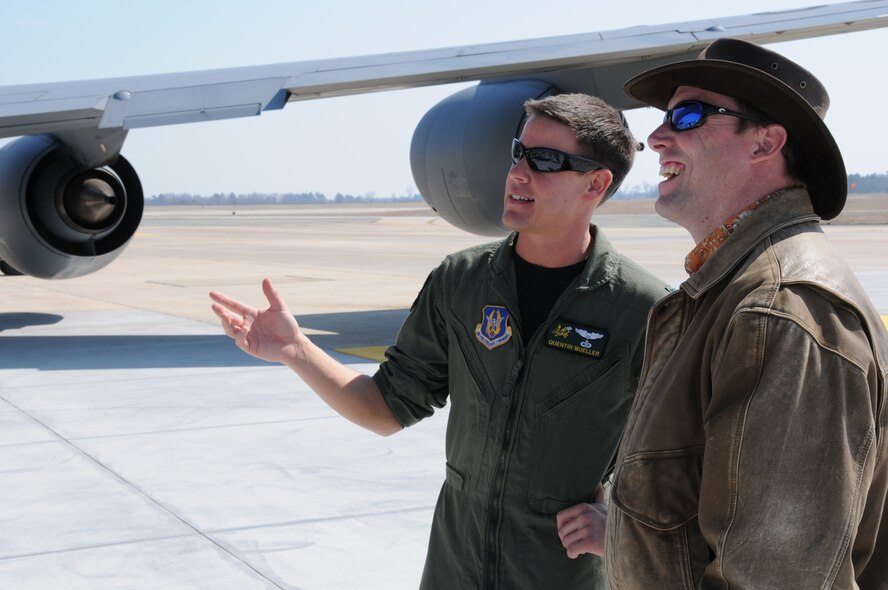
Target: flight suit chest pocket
x=576 y=429
x=472 y=368
x=484 y=347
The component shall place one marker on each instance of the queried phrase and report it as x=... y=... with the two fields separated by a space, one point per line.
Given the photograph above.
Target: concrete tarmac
x=140 y=449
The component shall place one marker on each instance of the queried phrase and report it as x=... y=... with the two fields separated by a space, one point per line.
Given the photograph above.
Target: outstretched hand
x=581 y=527
x=270 y=334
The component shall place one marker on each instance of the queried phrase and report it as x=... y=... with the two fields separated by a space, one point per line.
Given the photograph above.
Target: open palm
x=269 y=334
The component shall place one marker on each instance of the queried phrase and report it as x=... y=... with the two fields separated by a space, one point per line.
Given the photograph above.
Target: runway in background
x=140 y=449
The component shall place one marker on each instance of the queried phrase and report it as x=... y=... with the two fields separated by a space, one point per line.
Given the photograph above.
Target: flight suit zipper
x=516 y=398
x=494 y=508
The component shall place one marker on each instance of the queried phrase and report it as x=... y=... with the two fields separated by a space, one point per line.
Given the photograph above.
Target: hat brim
x=824 y=165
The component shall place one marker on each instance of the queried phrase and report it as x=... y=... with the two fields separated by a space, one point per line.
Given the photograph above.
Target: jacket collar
x=790 y=208
x=601 y=265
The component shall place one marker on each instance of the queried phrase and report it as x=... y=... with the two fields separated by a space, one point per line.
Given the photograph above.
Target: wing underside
x=598 y=63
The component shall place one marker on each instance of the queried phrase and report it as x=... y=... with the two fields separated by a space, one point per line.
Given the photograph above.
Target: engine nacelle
x=460 y=152
x=58 y=220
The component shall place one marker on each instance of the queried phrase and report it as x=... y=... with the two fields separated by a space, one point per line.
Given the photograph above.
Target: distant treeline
x=636 y=192
x=857 y=184
x=645 y=192
x=273 y=199
x=871 y=183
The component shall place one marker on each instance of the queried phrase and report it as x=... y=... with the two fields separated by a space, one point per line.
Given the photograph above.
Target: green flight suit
x=535 y=418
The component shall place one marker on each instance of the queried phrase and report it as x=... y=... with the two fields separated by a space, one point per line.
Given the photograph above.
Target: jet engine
x=58 y=220
x=460 y=152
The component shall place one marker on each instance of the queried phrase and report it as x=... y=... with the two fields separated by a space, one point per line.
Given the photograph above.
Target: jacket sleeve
x=789 y=450
x=414 y=377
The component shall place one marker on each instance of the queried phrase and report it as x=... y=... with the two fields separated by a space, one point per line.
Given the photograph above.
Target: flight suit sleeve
x=414 y=377
x=789 y=451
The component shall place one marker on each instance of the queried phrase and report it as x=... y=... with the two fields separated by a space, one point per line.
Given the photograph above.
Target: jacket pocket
x=660 y=489
x=575 y=432
x=653 y=520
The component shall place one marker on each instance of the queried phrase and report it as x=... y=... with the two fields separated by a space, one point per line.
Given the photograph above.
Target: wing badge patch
x=572 y=338
x=494 y=329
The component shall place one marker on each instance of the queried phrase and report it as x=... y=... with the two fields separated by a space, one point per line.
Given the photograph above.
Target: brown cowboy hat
x=780 y=88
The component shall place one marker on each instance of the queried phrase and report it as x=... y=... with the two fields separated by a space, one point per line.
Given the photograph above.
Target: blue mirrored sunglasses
x=690 y=114
x=542 y=159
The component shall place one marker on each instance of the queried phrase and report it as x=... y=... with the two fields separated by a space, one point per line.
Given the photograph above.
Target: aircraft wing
x=89 y=120
x=576 y=61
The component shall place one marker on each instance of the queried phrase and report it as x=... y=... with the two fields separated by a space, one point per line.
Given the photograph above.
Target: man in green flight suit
x=536 y=340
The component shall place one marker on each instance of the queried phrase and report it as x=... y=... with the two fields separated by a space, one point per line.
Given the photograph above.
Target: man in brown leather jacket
x=755 y=454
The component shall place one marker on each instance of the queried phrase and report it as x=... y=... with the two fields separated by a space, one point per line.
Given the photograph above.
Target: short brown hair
x=599 y=128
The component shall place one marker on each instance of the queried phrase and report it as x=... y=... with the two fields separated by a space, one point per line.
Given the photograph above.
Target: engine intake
x=58 y=220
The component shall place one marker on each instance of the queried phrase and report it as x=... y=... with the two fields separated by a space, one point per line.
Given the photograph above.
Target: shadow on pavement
x=134 y=351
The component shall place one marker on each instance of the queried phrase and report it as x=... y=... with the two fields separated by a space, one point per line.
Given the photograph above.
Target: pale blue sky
x=51 y=40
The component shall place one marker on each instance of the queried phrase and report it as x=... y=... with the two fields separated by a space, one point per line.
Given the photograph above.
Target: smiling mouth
x=515 y=197
x=670 y=170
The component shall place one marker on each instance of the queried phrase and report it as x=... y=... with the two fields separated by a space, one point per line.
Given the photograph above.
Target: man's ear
x=771 y=140
x=599 y=182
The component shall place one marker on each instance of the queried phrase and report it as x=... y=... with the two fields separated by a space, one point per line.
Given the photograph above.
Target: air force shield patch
x=494 y=329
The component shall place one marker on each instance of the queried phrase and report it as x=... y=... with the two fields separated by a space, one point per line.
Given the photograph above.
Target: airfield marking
x=377 y=353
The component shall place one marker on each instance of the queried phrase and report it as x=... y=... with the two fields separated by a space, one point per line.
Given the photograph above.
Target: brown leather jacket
x=756 y=455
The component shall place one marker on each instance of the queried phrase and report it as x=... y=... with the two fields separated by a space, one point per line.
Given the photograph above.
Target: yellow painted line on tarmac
x=374 y=353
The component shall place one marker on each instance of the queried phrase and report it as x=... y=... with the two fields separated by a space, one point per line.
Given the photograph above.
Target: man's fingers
x=229 y=303
x=575 y=544
x=581 y=527
x=583 y=540
x=231 y=325
x=220 y=312
x=274 y=299
x=567 y=515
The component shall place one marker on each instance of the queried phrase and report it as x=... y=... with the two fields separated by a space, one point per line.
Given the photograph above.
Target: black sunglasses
x=542 y=159
x=690 y=114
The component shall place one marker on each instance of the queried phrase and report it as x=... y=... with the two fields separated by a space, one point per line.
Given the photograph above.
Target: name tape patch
x=570 y=337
